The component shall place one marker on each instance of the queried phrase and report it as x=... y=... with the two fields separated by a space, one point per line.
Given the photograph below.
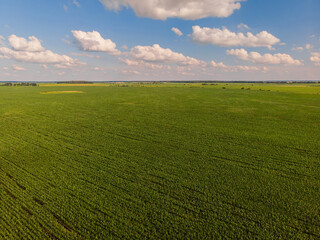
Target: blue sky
x=115 y=40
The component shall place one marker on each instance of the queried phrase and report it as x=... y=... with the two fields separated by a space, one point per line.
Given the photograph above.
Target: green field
x=160 y=161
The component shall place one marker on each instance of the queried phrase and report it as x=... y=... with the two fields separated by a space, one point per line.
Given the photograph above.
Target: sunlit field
x=160 y=161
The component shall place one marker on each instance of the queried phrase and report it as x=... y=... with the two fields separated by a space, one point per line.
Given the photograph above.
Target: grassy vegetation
x=160 y=161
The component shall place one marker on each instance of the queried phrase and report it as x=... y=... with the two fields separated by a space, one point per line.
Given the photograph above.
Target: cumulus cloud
x=225 y=38
x=164 y=66
x=156 y=53
x=244 y=68
x=315 y=58
x=185 y=9
x=31 y=51
x=18 y=68
x=177 y=31
x=299 y=49
x=256 y=57
x=148 y=59
x=143 y=64
x=94 y=42
x=22 y=44
x=45 y=57
x=217 y=65
x=157 y=60
x=130 y=62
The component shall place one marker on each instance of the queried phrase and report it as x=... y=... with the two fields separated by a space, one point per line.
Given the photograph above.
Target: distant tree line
x=26 y=84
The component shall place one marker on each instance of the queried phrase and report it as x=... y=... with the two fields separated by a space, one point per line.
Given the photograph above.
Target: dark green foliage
x=159 y=163
x=19 y=84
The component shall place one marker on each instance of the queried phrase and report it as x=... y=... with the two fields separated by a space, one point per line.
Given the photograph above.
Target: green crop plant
x=160 y=161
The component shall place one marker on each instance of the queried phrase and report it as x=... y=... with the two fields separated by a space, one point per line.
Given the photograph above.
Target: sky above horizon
x=123 y=40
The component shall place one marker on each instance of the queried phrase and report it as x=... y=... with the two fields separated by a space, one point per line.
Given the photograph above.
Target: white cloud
x=94 y=42
x=18 y=68
x=31 y=51
x=97 y=69
x=44 y=66
x=157 y=60
x=299 y=49
x=44 y=57
x=66 y=41
x=156 y=53
x=226 y=38
x=142 y=64
x=315 y=58
x=244 y=68
x=243 y=26
x=308 y=46
x=188 y=74
x=256 y=57
x=217 y=65
x=5 y=68
x=75 y=2
x=130 y=72
x=66 y=65
x=177 y=31
x=65 y=8
x=153 y=62
x=185 y=9
x=85 y=55
x=22 y=44
x=130 y=62
x=1 y=41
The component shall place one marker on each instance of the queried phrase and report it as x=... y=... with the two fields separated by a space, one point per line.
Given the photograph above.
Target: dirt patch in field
x=62 y=92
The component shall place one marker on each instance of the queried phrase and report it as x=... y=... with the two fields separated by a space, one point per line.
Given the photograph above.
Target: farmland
x=160 y=161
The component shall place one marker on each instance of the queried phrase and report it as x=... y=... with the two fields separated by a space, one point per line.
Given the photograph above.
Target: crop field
x=160 y=161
